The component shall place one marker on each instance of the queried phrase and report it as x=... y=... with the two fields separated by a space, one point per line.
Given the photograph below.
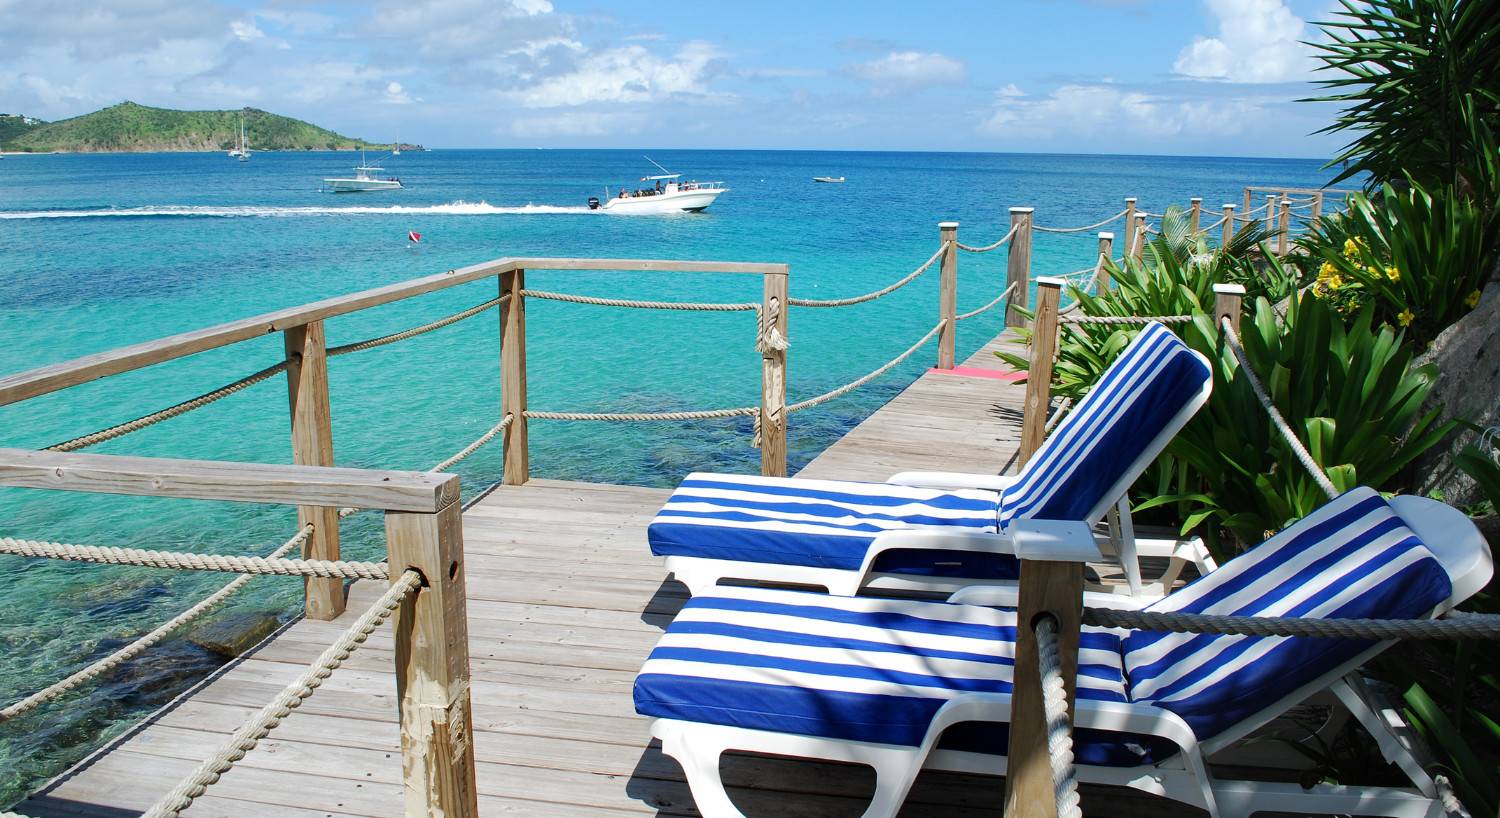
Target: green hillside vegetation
x=14 y=125
x=129 y=127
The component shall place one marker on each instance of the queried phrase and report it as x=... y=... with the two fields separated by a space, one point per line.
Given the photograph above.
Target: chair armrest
x=1055 y=541
x=1009 y=596
x=951 y=480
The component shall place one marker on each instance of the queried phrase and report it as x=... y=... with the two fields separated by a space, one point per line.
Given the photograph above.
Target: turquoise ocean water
x=105 y=250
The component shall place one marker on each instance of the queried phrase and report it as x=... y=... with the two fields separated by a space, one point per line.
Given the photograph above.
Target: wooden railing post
x=1129 y=241
x=1195 y=214
x=312 y=445
x=1317 y=209
x=773 y=379
x=1106 y=255
x=513 y=378
x=1228 y=299
x=1270 y=214
x=1018 y=266
x=1284 y=231
x=1247 y=202
x=432 y=661
x=1039 y=373
x=1228 y=226
x=948 y=295
x=1138 y=247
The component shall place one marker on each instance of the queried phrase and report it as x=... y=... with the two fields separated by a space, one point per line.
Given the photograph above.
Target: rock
x=1467 y=356
x=233 y=634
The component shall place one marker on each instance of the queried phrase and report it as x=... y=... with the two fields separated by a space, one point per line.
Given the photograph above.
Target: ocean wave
x=458 y=208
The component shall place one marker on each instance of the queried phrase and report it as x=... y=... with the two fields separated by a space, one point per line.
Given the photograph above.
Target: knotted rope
x=858 y=382
x=110 y=555
x=1003 y=295
x=687 y=306
x=474 y=447
x=988 y=247
x=1459 y=626
x=290 y=698
x=1055 y=712
x=871 y=296
x=371 y=343
x=1232 y=338
x=705 y=414
x=1079 y=229
x=1123 y=319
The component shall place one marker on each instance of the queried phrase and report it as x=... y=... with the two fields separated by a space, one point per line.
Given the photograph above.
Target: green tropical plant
x=1418 y=258
x=1416 y=79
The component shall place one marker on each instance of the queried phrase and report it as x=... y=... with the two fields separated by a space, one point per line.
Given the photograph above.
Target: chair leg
x=699 y=757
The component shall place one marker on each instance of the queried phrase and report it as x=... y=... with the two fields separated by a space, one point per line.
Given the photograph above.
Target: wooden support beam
x=1138 y=249
x=1247 y=203
x=517 y=468
x=1039 y=374
x=1195 y=214
x=1283 y=233
x=1106 y=257
x=432 y=664
x=1130 y=224
x=1270 y=220
x=218 y=480
x=312 y=445
x=1018 y=265
x=1228 y=300
x=1317 y=209
x=773 y=379
x=948 y=295
x=1228 y=225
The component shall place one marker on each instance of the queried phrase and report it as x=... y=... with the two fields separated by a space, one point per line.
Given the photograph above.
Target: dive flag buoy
x=413 y=236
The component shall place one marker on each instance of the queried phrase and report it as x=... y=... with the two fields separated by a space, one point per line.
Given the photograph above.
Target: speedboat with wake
x=664 y=193
x=364 y=180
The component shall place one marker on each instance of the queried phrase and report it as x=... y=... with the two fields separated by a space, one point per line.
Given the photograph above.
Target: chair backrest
x=1151 y=390
x=1353 y=558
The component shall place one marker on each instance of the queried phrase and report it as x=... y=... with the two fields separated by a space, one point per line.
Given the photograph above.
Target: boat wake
x=459 y=208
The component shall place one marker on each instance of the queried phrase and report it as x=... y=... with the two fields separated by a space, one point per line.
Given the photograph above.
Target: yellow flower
x=1393 y=274
x=1335 y=281
x=1350 y=248
x=1404 y=317
x=1473 y=300
x=1326 y=270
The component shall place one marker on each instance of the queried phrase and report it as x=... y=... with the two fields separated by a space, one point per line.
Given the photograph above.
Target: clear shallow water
x=101 y=251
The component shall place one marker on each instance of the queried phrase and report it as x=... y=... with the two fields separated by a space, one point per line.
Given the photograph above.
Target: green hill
x=129 y=127
x=13 y=125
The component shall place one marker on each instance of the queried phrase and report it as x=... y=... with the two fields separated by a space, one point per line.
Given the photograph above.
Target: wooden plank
x=774 y=308
x=220 y=480
x=948 y=294
x=312 y=445
x=1039 y=379
x=1018 y=266
x=517 y=469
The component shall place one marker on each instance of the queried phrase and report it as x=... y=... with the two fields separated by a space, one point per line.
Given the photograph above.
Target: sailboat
x=242 y=151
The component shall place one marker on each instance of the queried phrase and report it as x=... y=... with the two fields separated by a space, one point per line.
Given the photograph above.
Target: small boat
x=665 y=193
x=242 y=151
x=364 y=180
x=837 y=180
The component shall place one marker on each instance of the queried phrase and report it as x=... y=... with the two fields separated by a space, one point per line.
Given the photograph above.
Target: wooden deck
x=565 y=602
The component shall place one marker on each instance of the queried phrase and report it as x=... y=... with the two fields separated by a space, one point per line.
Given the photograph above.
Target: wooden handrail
x=220 y=480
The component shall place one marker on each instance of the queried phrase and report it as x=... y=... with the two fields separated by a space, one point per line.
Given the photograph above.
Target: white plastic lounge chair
x=903 y=684
x=941 y=530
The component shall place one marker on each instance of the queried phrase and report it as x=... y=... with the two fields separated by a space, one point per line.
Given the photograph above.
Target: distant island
x=132 y=128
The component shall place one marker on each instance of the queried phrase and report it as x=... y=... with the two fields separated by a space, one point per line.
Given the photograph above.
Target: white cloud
x=1081 y=110
x=578 y=123
x=1258 y=41
x=909 y=70
x=626 y=75
x=396 y=94
x=1009 y=91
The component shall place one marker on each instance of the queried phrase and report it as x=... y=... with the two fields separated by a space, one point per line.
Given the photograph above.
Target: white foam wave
x=458 y=208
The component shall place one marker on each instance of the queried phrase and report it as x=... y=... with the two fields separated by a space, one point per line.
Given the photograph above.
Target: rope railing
x=1461 y=625
x=1085 y=228
x=988 y=247
x=290 y=698
x=1055 y=714
x=623 y=417
x=1232 y=339
x=1123 y=319
x=110 y=555
x=991 y=305
x=371 y=343
x=871 y=296
x=858 y=382
x=686 y=306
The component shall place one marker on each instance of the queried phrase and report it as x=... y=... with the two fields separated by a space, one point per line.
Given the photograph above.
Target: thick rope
x=1123 y=319
x=290 y=698
x=624 y=417
x=1079 y=229
x=474 y=447
x=871 y=296
x=166 y=414
x=1463 y=626
x=988 y=247
x=987 y=307
x=371 y=343
x=145 y=642
x=687 y=306
x=1057 y=416
x=1216 y=224
x=110 y=555
x=1233 y=339
x=1055 y=712
x=857 y=383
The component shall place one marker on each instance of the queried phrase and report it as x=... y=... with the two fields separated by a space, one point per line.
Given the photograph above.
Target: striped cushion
x=1153 y=379
x=819 y=523
x=841 y=667
x=1351 y=558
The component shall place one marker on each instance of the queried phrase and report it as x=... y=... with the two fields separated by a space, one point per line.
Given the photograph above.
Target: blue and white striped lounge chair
x=904 y=684
x=940 y=530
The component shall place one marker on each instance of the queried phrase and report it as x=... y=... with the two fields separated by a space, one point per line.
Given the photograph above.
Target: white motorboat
x=664 y=193
x=837 y=180
x=241 y=151
x=364 y=180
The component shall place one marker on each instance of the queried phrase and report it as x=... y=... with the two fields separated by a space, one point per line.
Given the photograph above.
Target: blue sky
x=1216 y=77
